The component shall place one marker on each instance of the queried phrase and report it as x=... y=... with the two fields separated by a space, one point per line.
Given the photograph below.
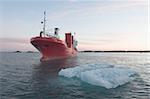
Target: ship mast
x=44 y=23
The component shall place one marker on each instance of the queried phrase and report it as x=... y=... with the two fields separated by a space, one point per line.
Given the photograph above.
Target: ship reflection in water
x=45 y=79
x=47 y=69
x=58 y=64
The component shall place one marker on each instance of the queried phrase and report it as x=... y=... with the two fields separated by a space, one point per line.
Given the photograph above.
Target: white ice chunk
x=96 y=74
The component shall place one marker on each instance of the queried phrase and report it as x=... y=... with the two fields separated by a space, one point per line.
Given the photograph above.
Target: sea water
x=87 y=76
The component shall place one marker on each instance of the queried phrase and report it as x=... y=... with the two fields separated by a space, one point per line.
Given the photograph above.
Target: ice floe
x=104 y=75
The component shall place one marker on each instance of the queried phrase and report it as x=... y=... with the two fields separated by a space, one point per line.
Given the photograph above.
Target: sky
x=98 y=24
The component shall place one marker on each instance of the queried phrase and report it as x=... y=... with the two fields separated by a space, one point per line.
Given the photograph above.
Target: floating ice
x=103 y=75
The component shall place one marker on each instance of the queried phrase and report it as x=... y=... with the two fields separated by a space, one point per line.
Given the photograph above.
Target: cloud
x=97 y=7
x=95 y=41
x=14 y=40
x=13 y=44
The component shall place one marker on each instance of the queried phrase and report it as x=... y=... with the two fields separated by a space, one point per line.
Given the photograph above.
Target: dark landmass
x=116 y=51
x=20 y=51
x=17 y=52
x=31 y=52
x=119 y=51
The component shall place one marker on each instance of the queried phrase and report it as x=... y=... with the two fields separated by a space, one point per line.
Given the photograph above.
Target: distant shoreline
x=117 y=51
x=20 y=51
x=88 y=51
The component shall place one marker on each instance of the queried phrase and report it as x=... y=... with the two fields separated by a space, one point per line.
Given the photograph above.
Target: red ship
x=52 y=47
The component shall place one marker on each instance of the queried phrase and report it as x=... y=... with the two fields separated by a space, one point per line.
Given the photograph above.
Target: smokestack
x=68 y=39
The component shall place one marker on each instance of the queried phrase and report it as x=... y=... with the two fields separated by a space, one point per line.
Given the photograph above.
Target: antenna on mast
x=44 y=23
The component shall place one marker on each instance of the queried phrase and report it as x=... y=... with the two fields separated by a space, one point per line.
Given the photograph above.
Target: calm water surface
x=23 y=76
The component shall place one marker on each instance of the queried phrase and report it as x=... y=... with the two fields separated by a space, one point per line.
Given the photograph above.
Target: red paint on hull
x=52 y=48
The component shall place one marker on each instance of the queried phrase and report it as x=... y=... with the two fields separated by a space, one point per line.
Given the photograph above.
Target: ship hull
x=52 y=48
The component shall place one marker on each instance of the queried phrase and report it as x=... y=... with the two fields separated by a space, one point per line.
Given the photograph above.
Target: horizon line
x=29 y=51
